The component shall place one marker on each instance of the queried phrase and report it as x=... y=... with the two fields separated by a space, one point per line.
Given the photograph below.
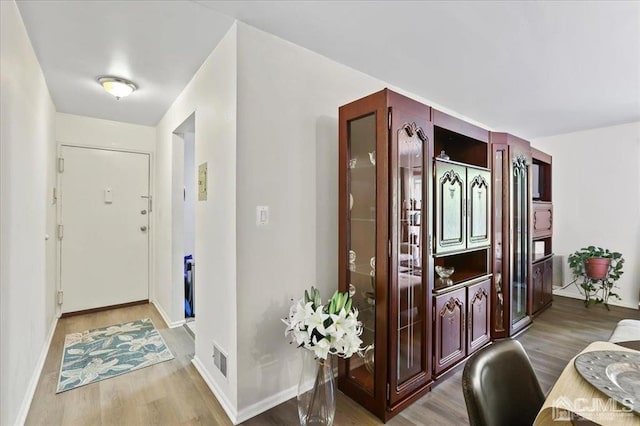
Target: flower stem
x=316 y=385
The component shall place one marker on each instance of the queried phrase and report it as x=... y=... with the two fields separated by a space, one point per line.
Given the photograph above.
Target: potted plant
x=599 y=269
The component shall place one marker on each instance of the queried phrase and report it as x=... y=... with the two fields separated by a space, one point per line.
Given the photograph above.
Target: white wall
x=190 y=177
x=27 y=176
x=285 y=156
x=596 y=198
x=212 y=95
x=287 y=159
x=95 y=132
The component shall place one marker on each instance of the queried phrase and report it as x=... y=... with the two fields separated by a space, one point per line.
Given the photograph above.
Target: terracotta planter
x=597 y=268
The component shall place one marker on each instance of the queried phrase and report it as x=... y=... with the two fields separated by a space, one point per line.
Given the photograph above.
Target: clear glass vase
x=316 y=390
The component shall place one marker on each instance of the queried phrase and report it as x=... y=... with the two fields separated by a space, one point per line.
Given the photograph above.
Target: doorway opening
x=184 y=204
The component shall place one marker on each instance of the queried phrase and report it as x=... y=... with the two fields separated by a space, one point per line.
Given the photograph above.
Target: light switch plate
x=262 y=215
x=108 y=196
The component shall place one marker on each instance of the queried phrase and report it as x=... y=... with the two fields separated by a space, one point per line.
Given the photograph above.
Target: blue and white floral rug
x=101 y=353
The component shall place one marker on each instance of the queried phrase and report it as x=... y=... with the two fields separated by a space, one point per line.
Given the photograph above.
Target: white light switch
x=108 y=196
x=262 y=215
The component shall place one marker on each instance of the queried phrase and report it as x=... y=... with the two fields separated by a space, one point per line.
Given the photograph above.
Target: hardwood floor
x=173 y=393
x=169 y=393
x=556 y=336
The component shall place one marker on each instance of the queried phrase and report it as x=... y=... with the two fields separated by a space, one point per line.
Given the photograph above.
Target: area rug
x=101 y=353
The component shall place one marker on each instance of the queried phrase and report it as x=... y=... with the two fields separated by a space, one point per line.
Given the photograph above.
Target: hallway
x=169 y=393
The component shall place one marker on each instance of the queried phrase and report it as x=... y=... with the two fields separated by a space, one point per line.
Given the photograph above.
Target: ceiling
x=531 y=68
x=159 y=45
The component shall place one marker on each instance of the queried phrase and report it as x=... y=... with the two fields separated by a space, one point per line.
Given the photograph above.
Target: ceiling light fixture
x=118 y=87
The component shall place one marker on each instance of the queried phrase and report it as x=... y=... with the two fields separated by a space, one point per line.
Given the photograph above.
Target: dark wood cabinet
x=511 y=289
x=542 y=231
x=461 y=323
x=547 y=283
x=537 y=282
x=542 y=283
x=463 y=238
x=450 y=329
x=419 y=190
x=522 y=258
x=386 y=150
x=478 y=315
x=500 y=317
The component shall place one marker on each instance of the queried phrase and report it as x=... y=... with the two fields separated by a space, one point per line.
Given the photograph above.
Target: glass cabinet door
x=479 y=208
x=500 y=303
x=361 y=241
x=410 y=290
x=520 y=240
x=411 y=265
x=451 y=205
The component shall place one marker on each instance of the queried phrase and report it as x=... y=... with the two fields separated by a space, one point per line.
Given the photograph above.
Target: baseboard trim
x=165 y=317
x=104 y=308
x=37 y=371
x=267 y=404
x=217 y=392
x=565 y=293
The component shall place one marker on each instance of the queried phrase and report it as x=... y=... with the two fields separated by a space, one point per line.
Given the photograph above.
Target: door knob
x=143 y=228
x=143 y=212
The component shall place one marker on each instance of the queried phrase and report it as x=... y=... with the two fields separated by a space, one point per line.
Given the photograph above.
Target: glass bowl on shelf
x=370 y=296
x=369 y=360
x=444 y=273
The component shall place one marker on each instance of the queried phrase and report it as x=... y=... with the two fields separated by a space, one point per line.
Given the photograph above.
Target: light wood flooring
x=169 y=393
x=173 y=393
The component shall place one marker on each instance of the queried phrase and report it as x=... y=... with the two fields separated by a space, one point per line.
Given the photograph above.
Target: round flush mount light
x=118 y=87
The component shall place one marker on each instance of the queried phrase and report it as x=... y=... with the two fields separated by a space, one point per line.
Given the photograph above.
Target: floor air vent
x=220 y=360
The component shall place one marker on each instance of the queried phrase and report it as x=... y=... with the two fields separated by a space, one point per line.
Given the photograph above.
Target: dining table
x=574 y=400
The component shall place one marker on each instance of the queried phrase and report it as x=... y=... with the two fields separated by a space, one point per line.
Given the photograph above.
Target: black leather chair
x=500 y=387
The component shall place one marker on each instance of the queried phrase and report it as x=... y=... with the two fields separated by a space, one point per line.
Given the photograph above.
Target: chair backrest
x=500 y=386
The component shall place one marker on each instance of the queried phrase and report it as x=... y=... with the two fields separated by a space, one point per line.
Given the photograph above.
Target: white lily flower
x=311 y=328
x=339 y=326
x=321 y=348
x=315 y=321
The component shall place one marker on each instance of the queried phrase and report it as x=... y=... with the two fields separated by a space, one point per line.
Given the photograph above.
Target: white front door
x=104 y=211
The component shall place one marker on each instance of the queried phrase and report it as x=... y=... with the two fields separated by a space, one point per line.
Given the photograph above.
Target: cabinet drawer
x=542 y=220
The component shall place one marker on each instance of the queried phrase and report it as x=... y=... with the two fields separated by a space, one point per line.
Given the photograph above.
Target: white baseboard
x=573 y=295
x=217 y=392
x=165 y=317
x=253 y=410
x=267 y=404
x=37 y=371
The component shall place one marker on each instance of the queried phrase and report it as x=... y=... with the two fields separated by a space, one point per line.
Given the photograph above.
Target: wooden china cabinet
x=386 y=146
x=462 y=226
x=511 y=284
x=542 y=232
x=422 y=191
